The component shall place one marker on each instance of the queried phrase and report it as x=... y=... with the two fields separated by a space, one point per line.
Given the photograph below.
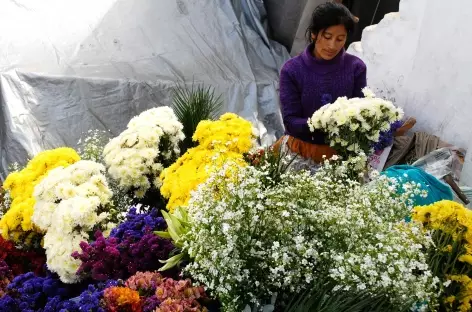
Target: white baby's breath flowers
x=354 y=125
x=150 y=143
x=249 y=237
x=277 y=237
x=70 y=202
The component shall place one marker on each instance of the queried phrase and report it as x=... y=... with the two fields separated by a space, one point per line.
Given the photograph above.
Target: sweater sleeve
x=291 y=106
x=360 y=79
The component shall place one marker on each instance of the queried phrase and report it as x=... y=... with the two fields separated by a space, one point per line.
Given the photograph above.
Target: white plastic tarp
x=67 y=66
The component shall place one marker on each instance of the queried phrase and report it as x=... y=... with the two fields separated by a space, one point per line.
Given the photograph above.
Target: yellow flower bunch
x=451 y=223
x=451 y=218
x=465 y=297
x=228 y=138
x=17 y=220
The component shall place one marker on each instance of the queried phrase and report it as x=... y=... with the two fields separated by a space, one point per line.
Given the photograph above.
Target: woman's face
x=329 y=42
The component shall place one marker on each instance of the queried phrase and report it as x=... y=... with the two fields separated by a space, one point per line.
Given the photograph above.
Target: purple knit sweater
x=307 y=83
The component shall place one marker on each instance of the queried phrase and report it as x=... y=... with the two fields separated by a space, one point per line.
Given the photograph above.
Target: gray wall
x=288 y=20
x=284 y=17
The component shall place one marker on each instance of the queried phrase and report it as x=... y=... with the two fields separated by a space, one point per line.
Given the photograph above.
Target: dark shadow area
x=369 y=12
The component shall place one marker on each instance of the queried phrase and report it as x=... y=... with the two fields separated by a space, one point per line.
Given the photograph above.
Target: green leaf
x=177 y=225
x=172 y=228
x=192 y=106
x=322 y=298
x=171 y=262
x=182 y=214
x=163 y=234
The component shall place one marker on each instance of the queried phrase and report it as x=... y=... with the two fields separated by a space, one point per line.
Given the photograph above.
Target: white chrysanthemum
x=368 y=93
x=59 y=248
x=354 y=125
x=68 y=203
x=135 y=158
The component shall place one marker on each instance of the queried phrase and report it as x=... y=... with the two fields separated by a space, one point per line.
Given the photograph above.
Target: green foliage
x=192 y=106
x=322 y=298
x=275 y=163
x=178 y=224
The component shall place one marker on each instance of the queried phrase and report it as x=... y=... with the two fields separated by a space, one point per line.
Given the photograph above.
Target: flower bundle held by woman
x=354 y=125
x=451 y=256
x=70 y=203
x=386 y=137
x=228 y=138
x=320 y=75
x=17 y=221
x=249 y=240
x=150 y=143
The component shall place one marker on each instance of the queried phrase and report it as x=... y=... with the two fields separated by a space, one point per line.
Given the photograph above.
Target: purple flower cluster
x=90 y=299
x=326 y=98
x=6 y=275
x=136 y=223
x=386 y=137
x=131 y=247
x=28 y=292
x=59 y=304
x=151 y=304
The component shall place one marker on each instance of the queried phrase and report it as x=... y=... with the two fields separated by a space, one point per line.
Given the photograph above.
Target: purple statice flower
x=386 y=137
x=136 y=223
x=59 y=304
x=149 y=249
x=91 y=299
x=150 y=304
x=9 y=304
x=326 y=98
x=6 y=275
x=131 y=247
x=28 y=292
x=109 y=258
x=4 y=269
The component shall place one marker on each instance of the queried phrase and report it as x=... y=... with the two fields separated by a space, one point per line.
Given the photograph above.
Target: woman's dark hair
x=329 y=14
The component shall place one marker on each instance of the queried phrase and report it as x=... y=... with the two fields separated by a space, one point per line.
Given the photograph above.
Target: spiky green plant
x=321 y=298
x=192 y=105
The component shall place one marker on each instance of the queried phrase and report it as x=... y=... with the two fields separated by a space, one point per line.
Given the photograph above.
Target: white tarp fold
x=67 y=66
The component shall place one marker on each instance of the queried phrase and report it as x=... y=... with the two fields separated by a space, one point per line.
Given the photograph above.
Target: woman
x=318 y=76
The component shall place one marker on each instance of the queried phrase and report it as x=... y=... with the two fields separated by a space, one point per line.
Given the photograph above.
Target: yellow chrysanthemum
x=450 y=300
x=17 y=221
x=451 y=218
x=446 y=216
x=228 y=138
x=465 y=296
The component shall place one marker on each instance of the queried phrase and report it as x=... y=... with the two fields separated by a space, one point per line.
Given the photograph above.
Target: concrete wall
x=420 y=58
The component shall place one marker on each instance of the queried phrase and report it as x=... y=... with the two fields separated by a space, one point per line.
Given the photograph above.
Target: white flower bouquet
x=150 y=143
x=354 y=125
x=71 y=202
